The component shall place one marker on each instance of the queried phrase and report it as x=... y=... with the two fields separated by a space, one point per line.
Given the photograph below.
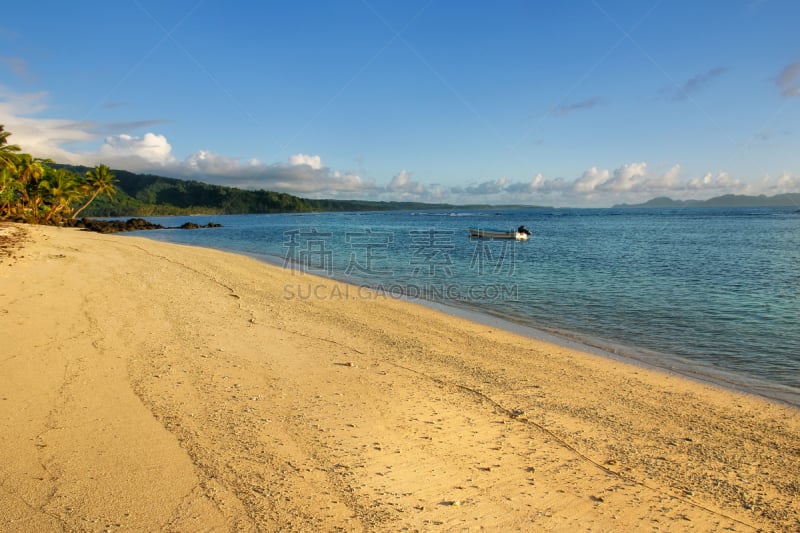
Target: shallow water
x=713 y=293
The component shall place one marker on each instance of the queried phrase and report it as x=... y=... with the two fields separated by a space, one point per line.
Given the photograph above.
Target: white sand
x=150 y=386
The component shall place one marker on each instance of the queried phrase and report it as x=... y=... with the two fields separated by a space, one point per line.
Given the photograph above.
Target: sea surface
x=709 y=293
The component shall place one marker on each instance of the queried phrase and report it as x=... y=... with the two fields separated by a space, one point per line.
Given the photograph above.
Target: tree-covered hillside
x=149 y=195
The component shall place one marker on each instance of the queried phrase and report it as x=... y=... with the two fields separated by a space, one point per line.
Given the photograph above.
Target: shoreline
x=698 y=371
x=674 y=365
x=749 y=375
x=148 y=385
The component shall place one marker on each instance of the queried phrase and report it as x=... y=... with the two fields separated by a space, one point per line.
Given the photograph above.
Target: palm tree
x=100 y=180
x=60 y=189
x=29 y=171
x=8 y=191
x=8 y=152
x=29 y=168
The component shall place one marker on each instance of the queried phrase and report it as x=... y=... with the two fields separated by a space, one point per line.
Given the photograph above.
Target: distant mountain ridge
x=727 y=200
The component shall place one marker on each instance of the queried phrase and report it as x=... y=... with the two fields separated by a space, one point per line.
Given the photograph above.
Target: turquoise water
x=711 y=293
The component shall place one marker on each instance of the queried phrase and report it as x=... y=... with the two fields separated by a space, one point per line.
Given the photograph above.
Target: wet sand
x=152 y=386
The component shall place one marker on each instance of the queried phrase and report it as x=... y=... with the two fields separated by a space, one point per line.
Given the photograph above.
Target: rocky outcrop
x=192 y=225
x=133 y=224
x=115 y=226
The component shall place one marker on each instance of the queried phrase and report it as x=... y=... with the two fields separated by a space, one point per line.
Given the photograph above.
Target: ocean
x=709 y=293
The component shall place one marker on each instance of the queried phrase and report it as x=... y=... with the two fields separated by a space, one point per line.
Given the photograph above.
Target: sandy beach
x=152 y=386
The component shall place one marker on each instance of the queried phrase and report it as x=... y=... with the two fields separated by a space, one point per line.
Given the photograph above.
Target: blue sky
x=584 y=103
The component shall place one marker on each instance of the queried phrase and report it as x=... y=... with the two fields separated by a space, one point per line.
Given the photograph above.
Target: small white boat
x=520 y=234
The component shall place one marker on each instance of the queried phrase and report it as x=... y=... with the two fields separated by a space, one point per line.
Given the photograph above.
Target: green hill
x=728 y=200
x=149 y=195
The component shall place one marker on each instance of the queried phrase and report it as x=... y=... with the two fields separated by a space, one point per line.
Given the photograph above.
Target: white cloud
x=43 y=137
x=721 y=181
x=151 y=149
x=302 y=174
x=205 y=163
x=668 y=180
x=786 y=182
x=488 y=187
x=402 y=183
x=538 y=183
x=313 y=161
x=437 y=193
x=14 y=104
x=626 y=178
x=590 y=179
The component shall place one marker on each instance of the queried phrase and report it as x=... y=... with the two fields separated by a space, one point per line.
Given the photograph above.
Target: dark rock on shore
x=192 y=225
x=132 y=224
x=115 y=226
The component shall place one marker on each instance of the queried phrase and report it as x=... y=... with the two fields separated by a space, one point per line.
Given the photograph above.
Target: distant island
x=727 y=200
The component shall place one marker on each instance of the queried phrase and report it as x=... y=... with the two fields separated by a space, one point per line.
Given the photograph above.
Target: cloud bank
x=403 y=184
x=76 y=142
x=630 y=182
x=307 y=175
x=302 y=174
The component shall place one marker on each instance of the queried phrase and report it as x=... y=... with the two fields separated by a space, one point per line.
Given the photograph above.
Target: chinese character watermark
x=430 y=249
x=368 y=252
x=307 y=251
x=420 y=267
x=499 y=256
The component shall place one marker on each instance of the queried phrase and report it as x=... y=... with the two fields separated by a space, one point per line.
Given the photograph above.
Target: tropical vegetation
x=33 y=190
x=145 y=195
